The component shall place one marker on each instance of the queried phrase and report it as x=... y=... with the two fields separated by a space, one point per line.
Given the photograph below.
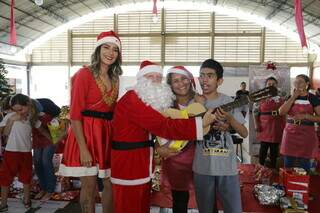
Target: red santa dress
x=132 y=150
x=94 y=109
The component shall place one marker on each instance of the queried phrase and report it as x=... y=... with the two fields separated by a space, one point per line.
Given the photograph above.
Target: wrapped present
x=296 y=183
x=64 y=114
x=66 y=196
x=155 y=181
x=63 y=184
x=57 y=130
x=267 y=195
x=291 y=205
x=263 y=174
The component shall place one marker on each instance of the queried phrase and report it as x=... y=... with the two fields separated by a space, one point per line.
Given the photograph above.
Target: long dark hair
x=24 y=100
x=306 y=79
x=114 y=70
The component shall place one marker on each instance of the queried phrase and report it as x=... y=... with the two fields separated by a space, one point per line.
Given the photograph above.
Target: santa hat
x=106 y=37
x=183 y=71
x=148 y=67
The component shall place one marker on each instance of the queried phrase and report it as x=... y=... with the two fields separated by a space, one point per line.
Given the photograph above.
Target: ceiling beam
x=10 y=44
x=51 y=12
x=309 y=18
x=7 y=33
x=276 y=10
x=315 y=35
x=82 y=2
x=67 y=6
x=27 y=14
x=34 y=29
x=291 y=16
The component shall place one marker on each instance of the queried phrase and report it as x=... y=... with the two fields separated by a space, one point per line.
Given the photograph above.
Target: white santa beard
x=157 y=95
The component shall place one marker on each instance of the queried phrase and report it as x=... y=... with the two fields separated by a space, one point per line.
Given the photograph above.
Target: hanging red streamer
x=13 y=33
x=299 y=23
x=155 y=10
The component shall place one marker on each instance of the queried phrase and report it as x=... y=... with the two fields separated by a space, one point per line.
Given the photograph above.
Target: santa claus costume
x=136 y=117
x=93 y=105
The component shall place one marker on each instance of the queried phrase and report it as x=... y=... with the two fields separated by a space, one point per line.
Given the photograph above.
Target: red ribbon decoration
x=155 y=10
x=299 y=23
x=271 y=65
x=13 y=33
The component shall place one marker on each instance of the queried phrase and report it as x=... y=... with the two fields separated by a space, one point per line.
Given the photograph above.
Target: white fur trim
x=178 y=71
x=149 y=69
x=130 y=182
x=83 y=171
x=302 y=102
x=150 y=163
x=199 y=128
x=109 y=39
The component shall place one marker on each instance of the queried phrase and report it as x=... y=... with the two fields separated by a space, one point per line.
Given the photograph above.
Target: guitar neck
x=234 y=104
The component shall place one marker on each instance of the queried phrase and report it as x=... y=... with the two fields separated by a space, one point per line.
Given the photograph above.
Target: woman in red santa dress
x=136 y=117
x=300 y=142
x=94 y=91
x=176 y=172
x=269 y=125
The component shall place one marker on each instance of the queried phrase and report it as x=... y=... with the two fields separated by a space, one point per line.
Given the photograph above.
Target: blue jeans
x=290 y=161
x=42 y=160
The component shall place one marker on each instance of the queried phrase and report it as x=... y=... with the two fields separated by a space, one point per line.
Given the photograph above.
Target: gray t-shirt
x=215 y=154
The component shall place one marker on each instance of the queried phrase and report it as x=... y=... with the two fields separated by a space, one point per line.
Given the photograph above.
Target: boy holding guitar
x=214 y=165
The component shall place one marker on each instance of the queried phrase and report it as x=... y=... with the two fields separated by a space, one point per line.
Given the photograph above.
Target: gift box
x=57 y=130
x=295 y=206
x=296 y=185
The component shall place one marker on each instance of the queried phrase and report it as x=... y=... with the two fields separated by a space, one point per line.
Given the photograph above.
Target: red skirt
x=97 y=133
x=176 y=172
x=299 y=141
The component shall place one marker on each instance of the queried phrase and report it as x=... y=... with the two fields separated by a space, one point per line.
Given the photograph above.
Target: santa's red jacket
x=132 y=152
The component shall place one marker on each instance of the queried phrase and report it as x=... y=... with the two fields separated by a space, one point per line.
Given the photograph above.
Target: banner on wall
x=257 y=78
x=259 y=73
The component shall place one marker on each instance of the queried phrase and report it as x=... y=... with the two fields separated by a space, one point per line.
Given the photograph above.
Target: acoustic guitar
x=197 y=109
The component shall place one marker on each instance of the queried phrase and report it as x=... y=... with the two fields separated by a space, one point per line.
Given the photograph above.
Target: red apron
x=299 y=140
x=272 y=125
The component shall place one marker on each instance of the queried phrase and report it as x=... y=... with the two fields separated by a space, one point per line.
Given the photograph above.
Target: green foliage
x=5 y=89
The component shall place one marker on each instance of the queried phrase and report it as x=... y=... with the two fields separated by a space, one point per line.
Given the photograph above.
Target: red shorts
x=131 y=199
x=16 y=164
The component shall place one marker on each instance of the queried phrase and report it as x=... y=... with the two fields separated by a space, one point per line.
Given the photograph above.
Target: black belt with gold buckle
x=272 y=113
x=300 y=122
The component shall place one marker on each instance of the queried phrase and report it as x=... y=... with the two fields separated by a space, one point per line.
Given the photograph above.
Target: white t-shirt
x=19 y=139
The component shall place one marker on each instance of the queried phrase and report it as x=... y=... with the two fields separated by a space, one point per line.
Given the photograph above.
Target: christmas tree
x=5 y=89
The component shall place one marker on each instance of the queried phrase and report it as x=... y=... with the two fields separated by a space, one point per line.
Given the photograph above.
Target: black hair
x=20 y=99
x=271 y=79
x=306 y=79
x=215 y=65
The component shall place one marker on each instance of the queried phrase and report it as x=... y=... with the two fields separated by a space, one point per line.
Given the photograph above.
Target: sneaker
x=4 y=208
